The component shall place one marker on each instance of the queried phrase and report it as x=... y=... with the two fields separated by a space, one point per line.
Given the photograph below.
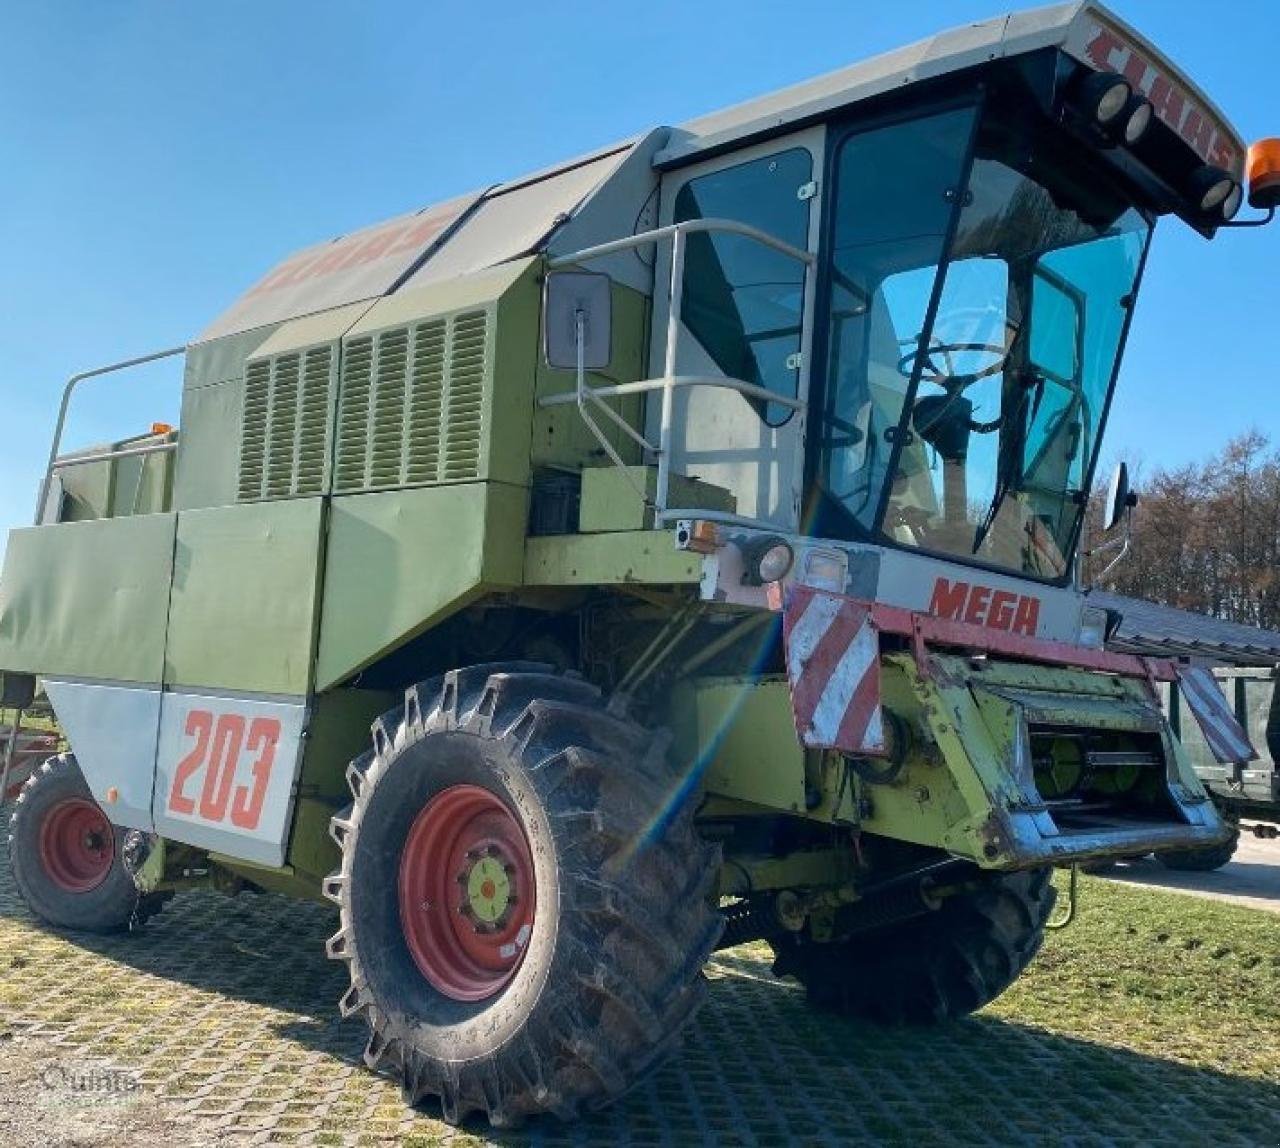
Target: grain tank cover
x=363 y=265
x=439 y=242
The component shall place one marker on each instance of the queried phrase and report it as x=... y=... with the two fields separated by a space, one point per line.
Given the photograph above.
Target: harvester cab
x=774 y=432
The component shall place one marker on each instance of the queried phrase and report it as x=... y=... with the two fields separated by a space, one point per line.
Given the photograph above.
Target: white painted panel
x=112 y=731
x=225 y=773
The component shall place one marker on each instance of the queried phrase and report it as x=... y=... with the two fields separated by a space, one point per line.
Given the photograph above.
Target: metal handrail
x=669 y=380
x=104 y=455
x=60 y=425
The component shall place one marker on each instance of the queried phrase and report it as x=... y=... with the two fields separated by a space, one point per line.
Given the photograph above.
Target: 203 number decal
x=219 y=744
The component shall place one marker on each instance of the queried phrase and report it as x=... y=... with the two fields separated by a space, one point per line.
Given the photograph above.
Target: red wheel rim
x=467 y=892
x=77 y=845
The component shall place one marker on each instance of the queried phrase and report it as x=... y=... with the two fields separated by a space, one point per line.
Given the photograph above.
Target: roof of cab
x=509 y=220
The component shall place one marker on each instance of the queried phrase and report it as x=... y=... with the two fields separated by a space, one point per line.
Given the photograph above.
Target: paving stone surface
x=223 y=1011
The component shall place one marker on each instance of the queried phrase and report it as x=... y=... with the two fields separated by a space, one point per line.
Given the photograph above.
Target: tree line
x=1206 y=536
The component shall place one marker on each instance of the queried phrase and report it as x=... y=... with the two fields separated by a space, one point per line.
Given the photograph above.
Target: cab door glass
x=743 y=301
x=895 y=190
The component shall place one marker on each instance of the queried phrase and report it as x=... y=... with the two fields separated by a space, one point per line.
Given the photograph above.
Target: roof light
x=1211 y=188
x=1138 y=119
x=1104 y=96
x=1231 y=205
x=1263 y=168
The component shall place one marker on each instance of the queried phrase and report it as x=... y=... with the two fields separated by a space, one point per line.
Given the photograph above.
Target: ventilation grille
x=284 y=435
x=411 y=405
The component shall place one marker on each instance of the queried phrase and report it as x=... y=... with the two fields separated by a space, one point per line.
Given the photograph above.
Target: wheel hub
x=466 y=892
x=77 y=845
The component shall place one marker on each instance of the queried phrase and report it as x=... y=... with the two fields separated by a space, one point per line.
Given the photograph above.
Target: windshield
x=964 y=397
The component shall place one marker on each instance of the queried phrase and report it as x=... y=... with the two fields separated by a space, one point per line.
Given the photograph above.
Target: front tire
x=935 y=968
x=525 y=905
x=68 y=860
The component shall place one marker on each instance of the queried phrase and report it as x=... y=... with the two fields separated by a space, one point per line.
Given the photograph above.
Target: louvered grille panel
x=285 y=430
x=412 y=404
x=466 y=397
x=386 y=446
x=353 y=416
x=282 y=425
x=313 y=420
x=426 y=404
x=253 y=429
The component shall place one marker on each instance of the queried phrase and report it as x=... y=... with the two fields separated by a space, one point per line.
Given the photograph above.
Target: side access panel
x=87 y=599
x=243 y=611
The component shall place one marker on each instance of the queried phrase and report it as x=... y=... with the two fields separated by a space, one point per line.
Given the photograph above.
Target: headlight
x=766 y=558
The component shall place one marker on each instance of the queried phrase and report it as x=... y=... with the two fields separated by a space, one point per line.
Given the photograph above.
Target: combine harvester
x=695 y=524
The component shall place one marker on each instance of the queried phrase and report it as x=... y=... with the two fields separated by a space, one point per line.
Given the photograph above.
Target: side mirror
x=573 y=302
x=1119 y=497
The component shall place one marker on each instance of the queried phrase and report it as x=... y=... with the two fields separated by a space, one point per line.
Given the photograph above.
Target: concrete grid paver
x=227 y=1009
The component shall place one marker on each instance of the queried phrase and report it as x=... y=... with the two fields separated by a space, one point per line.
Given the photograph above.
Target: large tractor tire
x=1210 y=857
x=931 y=969
x=69 y=862
x=525 y=905
x=1203 y=860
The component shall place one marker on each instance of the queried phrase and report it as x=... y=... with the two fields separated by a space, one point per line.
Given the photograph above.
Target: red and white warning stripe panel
x=833 y=665
x=1227 y=739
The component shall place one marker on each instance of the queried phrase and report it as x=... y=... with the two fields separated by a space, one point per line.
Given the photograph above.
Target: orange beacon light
x=1262 y=169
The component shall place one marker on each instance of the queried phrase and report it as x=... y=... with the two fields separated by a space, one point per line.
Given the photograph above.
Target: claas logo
x=984 y=606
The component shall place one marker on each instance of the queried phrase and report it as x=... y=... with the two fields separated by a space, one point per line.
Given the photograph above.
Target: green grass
x=1185 y=979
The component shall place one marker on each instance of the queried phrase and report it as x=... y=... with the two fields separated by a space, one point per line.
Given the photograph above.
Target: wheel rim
x=77 y=845
x=467 y=892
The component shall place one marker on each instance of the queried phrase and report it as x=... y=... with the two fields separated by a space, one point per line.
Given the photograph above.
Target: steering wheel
x=952 y=382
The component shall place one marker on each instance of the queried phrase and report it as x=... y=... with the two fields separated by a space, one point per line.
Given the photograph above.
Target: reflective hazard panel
x=833 y=666
x=225 y=773
x=1227 y=739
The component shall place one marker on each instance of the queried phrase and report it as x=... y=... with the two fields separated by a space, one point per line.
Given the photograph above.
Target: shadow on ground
x=1251 y=878
x=228 y=1008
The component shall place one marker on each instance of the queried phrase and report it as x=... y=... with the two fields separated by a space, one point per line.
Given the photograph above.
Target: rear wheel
x=68 y=860
x=525 y=905
x=934 y=968
x=1201 y=860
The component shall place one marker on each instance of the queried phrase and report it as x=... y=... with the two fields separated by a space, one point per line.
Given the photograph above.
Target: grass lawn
x=1182 y=978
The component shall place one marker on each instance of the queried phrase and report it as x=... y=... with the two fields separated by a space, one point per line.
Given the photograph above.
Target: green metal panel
x=88 y=599
x=337 y=732
x=611 y=500
x=398 y=561
x=742 y=732
x=213 y=392
x=437 y=384
x=560 y=437
x=648 y=557
x=210 y=445
x=142 y=484
x=242 y=614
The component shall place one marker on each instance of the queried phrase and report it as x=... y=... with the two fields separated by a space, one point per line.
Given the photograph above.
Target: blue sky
x=156 y=158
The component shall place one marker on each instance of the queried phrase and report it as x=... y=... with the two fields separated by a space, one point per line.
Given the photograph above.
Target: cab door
x=746 y=314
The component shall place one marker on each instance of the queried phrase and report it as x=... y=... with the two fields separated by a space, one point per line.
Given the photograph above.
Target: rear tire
x=68 y=860
x=574 y=847
x=1201 y=860
x=932 y=969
